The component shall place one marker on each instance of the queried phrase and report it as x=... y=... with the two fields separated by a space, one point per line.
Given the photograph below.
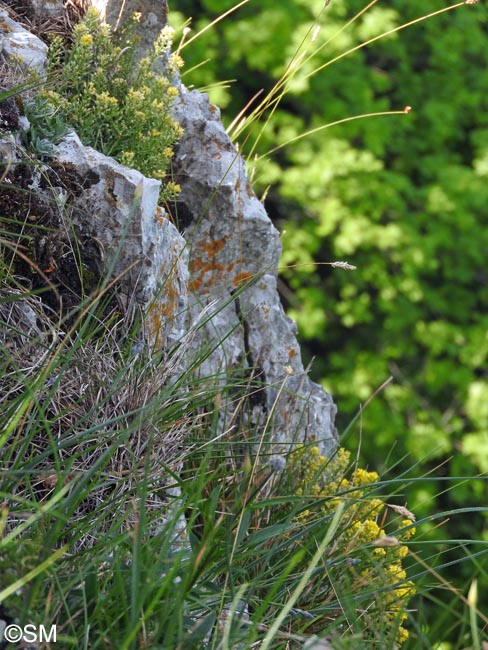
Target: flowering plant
x=116 y=103
x=363 y=561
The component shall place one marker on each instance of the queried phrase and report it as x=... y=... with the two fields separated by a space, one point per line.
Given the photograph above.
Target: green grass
x=131 y=519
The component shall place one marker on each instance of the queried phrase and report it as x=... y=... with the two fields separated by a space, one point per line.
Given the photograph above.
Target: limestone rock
x=18 y=43
x=46 y=8
x=234 y=255
x=153 y=17
x=115 y=213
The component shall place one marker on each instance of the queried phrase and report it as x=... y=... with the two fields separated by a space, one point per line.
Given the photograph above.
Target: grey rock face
x=234 y=254
x=117 y=215
x=16 y=43
x=154 y=17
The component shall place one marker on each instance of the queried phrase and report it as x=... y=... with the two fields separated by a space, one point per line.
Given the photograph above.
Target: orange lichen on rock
x=204 y=268
x=170 y=295
x=159 y=215
x=165 y=310
x=241 y=278
x=214 y=247
x=154 y=323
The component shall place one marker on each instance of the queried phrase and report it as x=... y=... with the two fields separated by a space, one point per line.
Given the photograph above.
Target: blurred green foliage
x=404 y=198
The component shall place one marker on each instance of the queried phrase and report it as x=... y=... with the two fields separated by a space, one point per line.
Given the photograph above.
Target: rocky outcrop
x=234 y=254
x=116 y=216
x=153 y=16
x=216 y=254
x=19 y=46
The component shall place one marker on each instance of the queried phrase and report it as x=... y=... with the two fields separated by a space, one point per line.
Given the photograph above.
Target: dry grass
x=45 y=27
x=87 y=400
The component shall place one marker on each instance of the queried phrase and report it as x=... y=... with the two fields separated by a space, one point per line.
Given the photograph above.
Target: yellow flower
x=105 y=100
x=127 y=158
x=402 y=635
x=86 y=40
x=174 y=188
x=396 y=571
x=172 y=92
x=363 y=477
x=176 y=61
x=167 y=32
x=374 y=506
x=407 y=534
x=160 y=83
x=303 y=516
x=405 y=592
x=366 y=531
x=92 y=13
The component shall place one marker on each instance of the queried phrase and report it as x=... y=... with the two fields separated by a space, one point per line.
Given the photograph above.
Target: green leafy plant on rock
x=47 y=127
x=116 y=103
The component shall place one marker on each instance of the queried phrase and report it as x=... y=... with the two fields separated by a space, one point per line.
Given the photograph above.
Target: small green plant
x=116 y=103
x=47 y=126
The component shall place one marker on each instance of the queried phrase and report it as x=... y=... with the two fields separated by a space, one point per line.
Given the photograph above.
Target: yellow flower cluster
x=362 y=537
x=86 y=40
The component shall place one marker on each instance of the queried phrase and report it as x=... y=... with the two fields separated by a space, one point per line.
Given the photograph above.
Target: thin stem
x=387 y=33
x=343 y=28
x=213 y=23
x=274 y=96
x=330 y=124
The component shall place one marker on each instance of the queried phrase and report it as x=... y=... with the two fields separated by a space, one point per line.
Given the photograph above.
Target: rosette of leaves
x=46 y=127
